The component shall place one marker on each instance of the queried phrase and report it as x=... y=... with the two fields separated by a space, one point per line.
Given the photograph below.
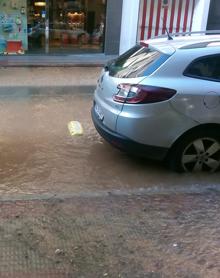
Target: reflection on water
x=38 y=154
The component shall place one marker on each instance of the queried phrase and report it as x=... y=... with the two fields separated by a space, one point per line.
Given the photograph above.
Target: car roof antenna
x=168 y=35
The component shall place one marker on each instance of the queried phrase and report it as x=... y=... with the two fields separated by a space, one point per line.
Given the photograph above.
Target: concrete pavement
x=84 y=60
x=158 y=236
x=48 y=76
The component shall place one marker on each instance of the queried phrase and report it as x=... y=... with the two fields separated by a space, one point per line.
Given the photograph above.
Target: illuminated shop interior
x=52 y=26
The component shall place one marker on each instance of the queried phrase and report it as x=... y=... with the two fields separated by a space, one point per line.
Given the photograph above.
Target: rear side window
x=207 y=68
x=136 y=62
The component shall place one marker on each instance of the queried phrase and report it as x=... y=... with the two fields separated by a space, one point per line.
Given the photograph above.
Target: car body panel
x=153 y=124
x=201 y=105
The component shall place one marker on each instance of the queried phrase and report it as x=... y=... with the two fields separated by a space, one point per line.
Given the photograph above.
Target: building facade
x=97 y=26
x=59 y=26
x=151 y=18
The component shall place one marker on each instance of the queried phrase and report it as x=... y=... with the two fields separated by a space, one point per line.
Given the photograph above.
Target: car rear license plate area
x=98 y=112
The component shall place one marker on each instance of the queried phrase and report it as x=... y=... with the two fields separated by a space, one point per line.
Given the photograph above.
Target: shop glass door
x=37 y=18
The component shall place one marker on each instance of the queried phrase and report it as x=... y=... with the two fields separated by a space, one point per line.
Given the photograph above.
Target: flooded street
x=38 y=154
x=73 y=206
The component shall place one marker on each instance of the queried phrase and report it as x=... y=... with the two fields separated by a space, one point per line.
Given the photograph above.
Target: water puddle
x=38 y=154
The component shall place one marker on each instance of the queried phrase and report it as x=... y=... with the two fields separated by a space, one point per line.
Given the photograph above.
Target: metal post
x=47 y=28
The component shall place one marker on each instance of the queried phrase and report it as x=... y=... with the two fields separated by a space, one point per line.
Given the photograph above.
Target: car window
x=205 y=68
x=136 y=62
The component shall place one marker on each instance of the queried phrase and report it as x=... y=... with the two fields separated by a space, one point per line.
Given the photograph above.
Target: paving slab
x=114 y=236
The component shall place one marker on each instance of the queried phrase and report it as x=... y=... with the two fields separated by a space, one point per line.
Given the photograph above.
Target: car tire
x=198 y=151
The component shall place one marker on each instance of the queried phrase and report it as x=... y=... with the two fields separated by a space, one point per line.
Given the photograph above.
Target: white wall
x=129 y=24
x=201 y=13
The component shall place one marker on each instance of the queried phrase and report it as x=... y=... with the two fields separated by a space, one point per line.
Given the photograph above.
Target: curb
x=86 y=60
x=140 y=192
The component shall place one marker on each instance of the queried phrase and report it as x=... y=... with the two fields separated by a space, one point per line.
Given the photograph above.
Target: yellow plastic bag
x=75 y=128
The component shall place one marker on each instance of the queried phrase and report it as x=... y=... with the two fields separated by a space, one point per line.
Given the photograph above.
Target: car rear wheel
x=197 y=152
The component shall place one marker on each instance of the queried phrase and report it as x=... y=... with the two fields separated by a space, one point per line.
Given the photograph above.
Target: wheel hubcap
x=201 y=155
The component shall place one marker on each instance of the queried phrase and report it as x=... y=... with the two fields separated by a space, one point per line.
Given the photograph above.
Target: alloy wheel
x=202 y=154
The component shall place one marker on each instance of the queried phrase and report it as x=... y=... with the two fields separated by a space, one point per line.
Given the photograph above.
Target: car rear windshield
x=137 y=62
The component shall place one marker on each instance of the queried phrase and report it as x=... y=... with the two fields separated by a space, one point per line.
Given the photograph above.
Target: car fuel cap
x=211 y=100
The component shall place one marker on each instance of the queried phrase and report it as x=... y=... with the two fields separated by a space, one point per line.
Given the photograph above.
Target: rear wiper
x=109 y=64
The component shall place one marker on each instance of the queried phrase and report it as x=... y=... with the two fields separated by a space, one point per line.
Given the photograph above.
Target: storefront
x=63 y=27
x=52 y=26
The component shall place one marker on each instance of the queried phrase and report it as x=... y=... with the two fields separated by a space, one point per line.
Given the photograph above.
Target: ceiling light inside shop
x=75 y=15
x=40 y=4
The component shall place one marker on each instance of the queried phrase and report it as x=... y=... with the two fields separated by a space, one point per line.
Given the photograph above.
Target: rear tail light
x=137 y=94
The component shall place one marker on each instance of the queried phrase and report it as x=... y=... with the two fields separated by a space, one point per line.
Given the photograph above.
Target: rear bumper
x=125 y=144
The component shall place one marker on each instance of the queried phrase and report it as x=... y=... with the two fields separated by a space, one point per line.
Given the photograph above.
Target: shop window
x=66 y=26
x=51 y=26
x=13 y=27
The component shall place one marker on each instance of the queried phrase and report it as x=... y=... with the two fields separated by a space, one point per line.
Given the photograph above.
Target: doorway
x=36 y=18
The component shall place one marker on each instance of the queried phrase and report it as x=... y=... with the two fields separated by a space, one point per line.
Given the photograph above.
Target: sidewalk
x=51 y=70
x=112 y=236
x=83 y=60
x=11 y=77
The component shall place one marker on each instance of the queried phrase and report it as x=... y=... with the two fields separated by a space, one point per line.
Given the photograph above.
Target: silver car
x=161 y=99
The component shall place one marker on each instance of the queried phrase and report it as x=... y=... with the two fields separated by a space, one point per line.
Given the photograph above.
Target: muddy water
x=38 y=154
